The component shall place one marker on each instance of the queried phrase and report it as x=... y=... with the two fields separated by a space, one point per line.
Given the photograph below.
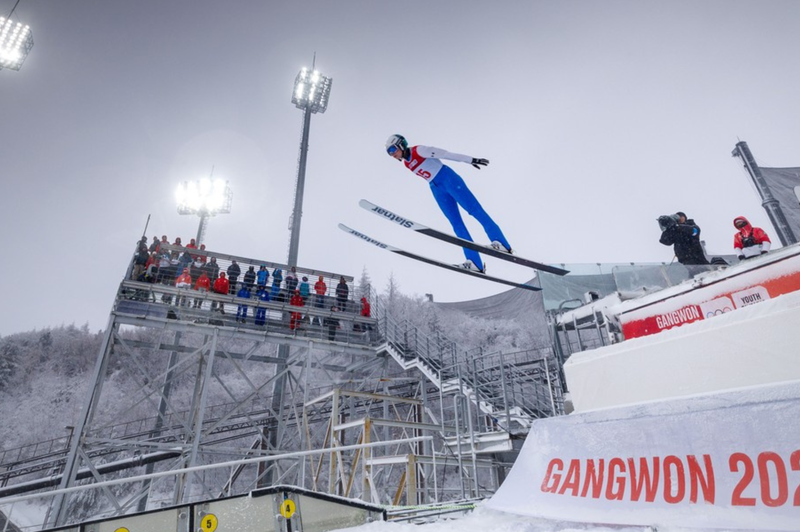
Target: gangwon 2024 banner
x=729 y=460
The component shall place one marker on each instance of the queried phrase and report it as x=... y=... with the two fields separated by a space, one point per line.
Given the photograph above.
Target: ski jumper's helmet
x=396 y=142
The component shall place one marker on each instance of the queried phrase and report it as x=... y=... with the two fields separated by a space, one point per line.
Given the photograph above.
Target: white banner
x=729 y=460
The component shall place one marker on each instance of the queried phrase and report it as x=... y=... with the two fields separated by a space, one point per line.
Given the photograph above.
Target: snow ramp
x=728 y=460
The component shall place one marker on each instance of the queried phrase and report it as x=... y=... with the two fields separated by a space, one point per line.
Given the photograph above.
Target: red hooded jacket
x=222 y=285
x=203 y=282
x=750 y=241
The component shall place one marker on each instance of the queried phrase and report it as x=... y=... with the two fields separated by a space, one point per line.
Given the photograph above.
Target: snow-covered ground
x=484 y=519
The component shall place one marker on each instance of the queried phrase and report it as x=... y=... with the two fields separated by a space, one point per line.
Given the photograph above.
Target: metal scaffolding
x=182 y=405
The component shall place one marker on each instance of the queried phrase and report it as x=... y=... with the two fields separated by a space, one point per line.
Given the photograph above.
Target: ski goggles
x=391 y=150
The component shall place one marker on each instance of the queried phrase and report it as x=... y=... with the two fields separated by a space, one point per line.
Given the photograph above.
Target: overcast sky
x=597 y=116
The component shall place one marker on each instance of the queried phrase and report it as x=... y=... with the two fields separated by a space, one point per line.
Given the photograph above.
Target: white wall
x=752 y=346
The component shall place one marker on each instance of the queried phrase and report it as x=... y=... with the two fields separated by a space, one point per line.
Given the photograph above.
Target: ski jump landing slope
x=727 y=461
x=695 y=427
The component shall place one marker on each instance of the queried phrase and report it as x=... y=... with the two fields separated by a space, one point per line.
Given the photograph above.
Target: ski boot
x=469 y=265
x=500 y=247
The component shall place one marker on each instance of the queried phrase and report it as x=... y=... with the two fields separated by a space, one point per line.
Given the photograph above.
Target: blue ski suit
x=449 y=190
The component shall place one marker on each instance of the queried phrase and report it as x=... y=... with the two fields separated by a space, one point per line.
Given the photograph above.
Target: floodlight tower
x=16 y=40
x=205 y=198
x=311 y=93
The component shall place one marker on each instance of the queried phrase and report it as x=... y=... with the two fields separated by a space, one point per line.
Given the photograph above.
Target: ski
x=446 y=266
x=451 y=239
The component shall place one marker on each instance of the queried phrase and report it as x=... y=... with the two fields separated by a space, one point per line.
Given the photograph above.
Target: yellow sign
x=288 y=508
x=122 y=529
x=208 y=523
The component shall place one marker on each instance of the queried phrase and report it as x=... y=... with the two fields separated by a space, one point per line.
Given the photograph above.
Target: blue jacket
x=262 y=294
x=244 y=293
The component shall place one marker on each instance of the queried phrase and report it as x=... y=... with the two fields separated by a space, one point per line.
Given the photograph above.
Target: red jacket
x=203 y=282
x=320 y=287
x=184 y=280
x=365 y=308
x=297 y=299
x=221 y=285
x=750 y=241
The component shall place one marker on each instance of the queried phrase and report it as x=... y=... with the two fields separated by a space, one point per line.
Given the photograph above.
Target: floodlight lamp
x=204 y=197
x=16 y=40
x=311 y=91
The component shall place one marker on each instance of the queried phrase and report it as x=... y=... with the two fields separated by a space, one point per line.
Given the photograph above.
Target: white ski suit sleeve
x=429 y=152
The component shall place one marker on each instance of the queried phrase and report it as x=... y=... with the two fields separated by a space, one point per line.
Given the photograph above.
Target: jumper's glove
x=477 y=163
x=763 y=252
x=740 y=257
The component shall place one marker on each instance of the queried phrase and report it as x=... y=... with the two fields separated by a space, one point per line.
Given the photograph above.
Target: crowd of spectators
x=198 y=274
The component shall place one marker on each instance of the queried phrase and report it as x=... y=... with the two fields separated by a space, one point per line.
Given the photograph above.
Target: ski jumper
x=449 y=190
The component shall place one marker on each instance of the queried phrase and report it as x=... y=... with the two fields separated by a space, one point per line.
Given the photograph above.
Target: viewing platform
x=154 y=300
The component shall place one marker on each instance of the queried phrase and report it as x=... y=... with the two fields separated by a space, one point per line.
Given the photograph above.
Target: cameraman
x=684 y=234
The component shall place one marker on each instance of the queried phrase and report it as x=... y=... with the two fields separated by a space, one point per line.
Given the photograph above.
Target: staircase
x=509 y=390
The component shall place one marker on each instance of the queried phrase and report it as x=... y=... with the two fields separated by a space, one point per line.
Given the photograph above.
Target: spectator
x=152 y=258
x=164 y=242
x=192 y=244
x=177 y=242
x=366 y=312
x=202 y=285
x=185 y=261
x=151 y=268
x=320 y=290
x=684 y=235
x=164 y=268
x=241 y=310
x=174 y=268
x=342 y=293
x=183 y=282
x=262 y=294
x=249 y=278
x=291 y=280
x=749 y=241
x=140 y=259
x=277 y=279
x=148 y=276
x=212 y=269
x=332 y=323
x=233 y=275
x=305 y=289
x=296 y=301
x=262 y=276
x=195 y=270
x=155 y=245
x=221 y=287
x=202 y=258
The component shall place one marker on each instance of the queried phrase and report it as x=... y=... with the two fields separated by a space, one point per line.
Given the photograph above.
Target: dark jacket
x=250 y=277
x=142 y=253
x=331 y=323
x=233 y=272
x=685 y=238
x=342 y=291
x=212 y=269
